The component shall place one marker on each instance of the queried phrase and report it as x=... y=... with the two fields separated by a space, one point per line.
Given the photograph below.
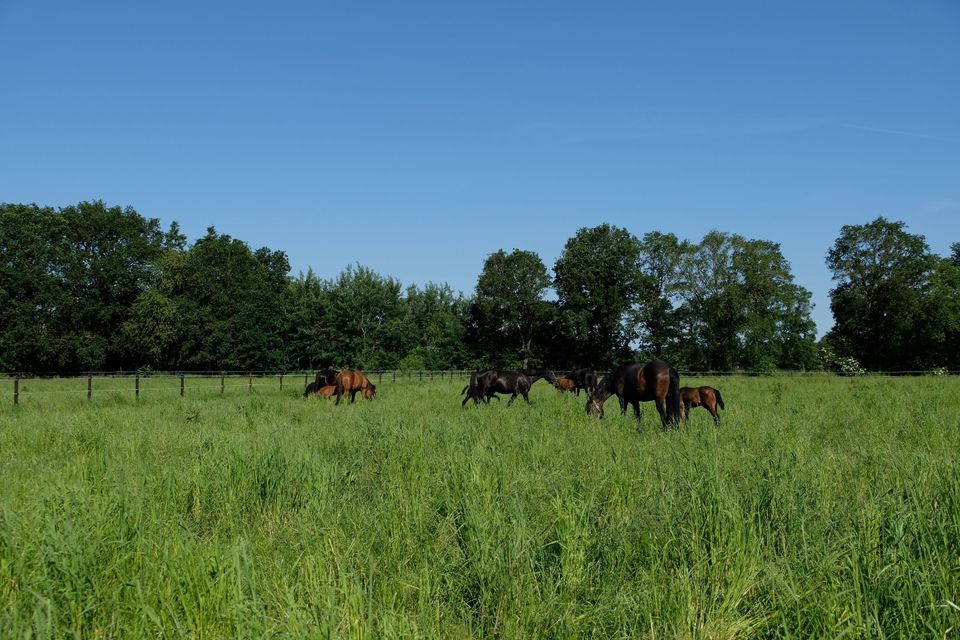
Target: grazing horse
x=566 y=384
x=351 y=381
x=515 y=383
x=310 y=390
x=634 y=383
x=585 y=379
x=706 y=397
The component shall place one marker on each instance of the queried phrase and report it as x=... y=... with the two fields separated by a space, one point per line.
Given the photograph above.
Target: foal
x=706 y=397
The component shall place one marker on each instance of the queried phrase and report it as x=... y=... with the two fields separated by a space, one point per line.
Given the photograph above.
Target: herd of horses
x=632 y=383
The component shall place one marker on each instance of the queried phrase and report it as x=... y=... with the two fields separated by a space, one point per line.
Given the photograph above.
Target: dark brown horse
x=634 y=383
x=488 y=384
x=585 y=379
x=324 y=378
x=351 y=381
x=706 y=397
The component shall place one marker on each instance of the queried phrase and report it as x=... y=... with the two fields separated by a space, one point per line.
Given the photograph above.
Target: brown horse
x=351 y=381
x=706 y=397
x=634 y=383
x=565 y=384
x=327 y=392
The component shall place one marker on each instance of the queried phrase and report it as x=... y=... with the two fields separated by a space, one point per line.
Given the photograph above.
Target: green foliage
x=509 y=315
x=881 y=273
x=823 y=507
x=598 y=283
x=70 y=278
x=741 y=309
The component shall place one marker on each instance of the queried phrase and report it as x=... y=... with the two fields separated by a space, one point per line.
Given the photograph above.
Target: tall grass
x=822 y=507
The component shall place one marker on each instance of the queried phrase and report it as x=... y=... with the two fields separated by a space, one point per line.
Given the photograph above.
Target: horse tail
x=673 y=397
x=338 y=391
x=719 y=399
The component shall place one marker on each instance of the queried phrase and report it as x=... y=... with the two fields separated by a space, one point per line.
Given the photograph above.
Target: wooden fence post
x=181 y=385
x=250 y=381
x=16 y=390
x=136 y=386
x=379 y=377
x=89 y=385
x=221 y=383
x=281 y=382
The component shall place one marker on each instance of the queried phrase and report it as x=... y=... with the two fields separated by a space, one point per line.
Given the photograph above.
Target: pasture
x=822 y=507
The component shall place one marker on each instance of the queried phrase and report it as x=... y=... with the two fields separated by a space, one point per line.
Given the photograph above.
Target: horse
x=352 y=381
x=323 y=378
x=565 y=384
x=327 y=392
x=634 y=383
x=515 y=383
x=706 y=397
x=474 y=389
x=488 y=384
x=585 y=379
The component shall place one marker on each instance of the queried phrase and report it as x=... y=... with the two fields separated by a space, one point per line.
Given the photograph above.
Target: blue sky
x=416 y=138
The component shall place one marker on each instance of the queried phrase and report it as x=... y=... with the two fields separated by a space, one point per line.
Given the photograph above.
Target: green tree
x=741 y=307
x=31 y=295
x=598 y=283
x=660 y=262
x=436 y=322
x=881 y=272
x=509 y=312
x=217 y=306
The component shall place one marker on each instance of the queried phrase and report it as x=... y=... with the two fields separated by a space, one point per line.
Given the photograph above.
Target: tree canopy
x=98 y=287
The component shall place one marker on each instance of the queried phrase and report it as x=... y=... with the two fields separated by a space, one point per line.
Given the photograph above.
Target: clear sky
x=416 y=138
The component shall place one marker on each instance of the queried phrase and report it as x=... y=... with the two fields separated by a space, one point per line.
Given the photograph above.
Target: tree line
x=95 y=287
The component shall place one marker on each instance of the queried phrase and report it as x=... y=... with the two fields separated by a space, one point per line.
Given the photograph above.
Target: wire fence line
x=22 y=384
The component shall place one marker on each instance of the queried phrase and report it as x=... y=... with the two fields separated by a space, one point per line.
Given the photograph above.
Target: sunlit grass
x=821 y=507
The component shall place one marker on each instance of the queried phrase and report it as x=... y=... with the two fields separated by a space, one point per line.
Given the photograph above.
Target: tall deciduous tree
x=660 y=262
x=741 y=307
x=598 y=283
x=31 y=295
x=509 y=312
x=881 y=271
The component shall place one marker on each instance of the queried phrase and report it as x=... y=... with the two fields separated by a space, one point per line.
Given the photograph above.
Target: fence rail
x=177 y=381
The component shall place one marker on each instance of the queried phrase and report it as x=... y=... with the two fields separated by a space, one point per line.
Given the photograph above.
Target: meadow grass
x=822 y=507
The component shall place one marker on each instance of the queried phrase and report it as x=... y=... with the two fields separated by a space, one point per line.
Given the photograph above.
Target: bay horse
x=351 y=381
x=584 y=379
x=706 y=397
x=565 y=384
x=634 y=383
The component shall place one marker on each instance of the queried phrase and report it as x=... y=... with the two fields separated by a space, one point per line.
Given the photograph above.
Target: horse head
x=595 y=403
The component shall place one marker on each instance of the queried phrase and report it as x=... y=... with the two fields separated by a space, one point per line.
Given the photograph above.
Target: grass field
x=823 y=507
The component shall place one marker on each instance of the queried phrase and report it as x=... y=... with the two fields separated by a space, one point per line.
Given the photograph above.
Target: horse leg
x=525 y=397
x=636 y=410
x=512 y=398
x=623 y=405
x=662 y=410
x=712 y=408
x=353 y=395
